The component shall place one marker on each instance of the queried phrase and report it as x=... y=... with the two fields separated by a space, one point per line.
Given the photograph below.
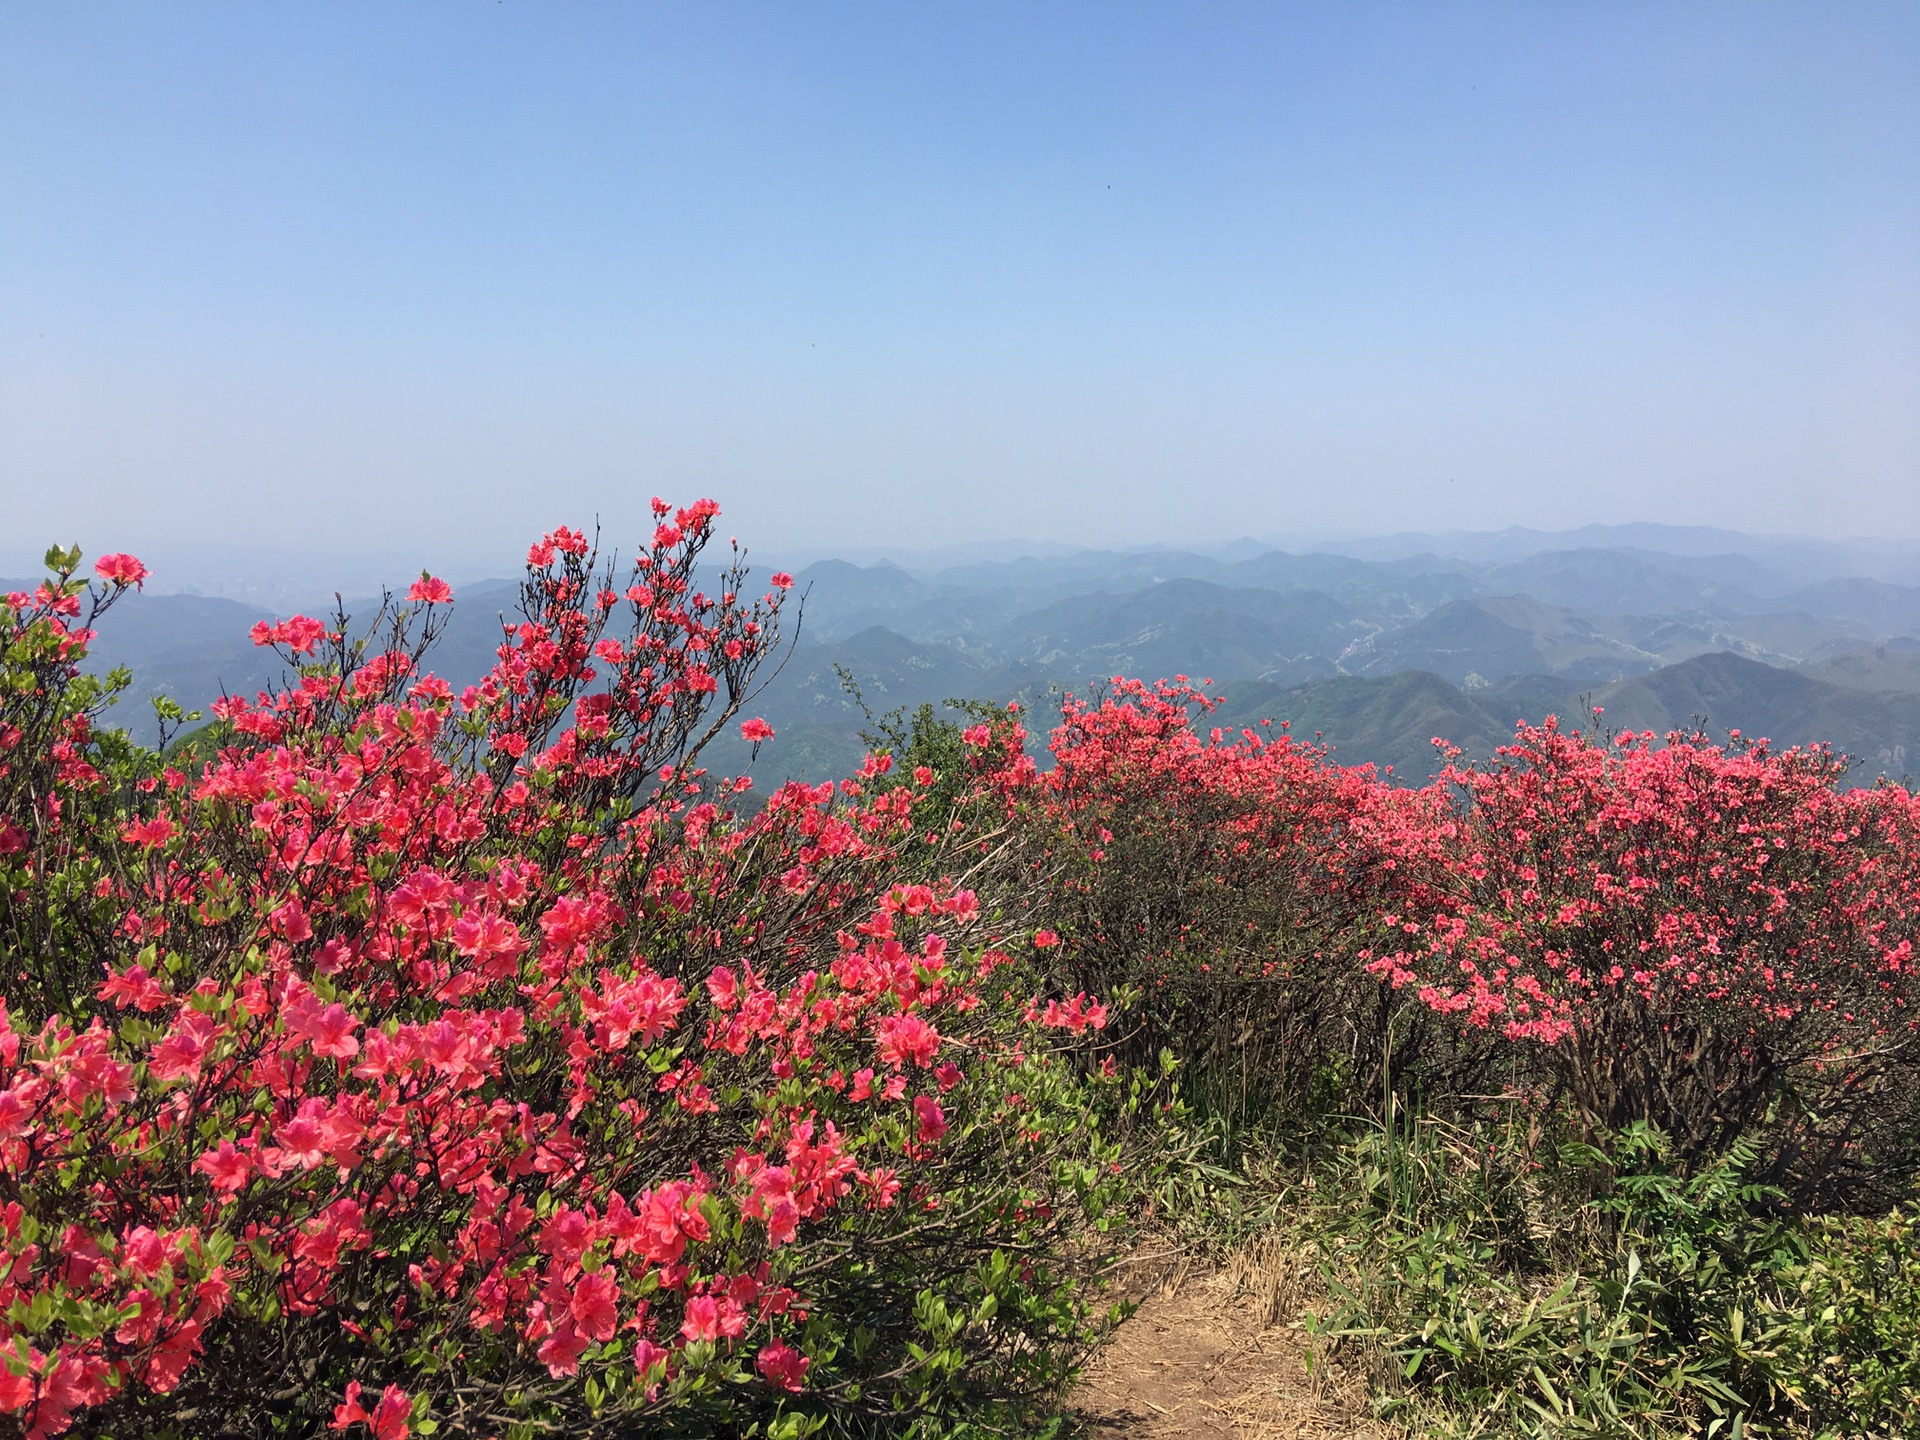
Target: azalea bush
x=1226 y=880
x=420 y=1060
x=1715 y=940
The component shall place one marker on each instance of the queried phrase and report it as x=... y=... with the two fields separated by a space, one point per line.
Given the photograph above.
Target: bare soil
x=1216 y=1357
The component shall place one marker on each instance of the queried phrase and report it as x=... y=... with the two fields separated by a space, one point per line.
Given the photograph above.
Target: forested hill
x=1392 y=721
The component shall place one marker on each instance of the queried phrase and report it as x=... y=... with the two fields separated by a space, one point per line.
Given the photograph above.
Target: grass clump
x=1489 y=1283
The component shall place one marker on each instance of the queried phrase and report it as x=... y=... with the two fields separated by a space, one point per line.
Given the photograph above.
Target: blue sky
x=436 y=276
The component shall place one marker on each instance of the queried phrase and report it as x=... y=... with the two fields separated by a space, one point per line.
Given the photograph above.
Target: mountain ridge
x=1505 y=636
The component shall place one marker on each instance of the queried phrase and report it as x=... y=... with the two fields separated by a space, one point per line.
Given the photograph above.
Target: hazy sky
x=436 y=276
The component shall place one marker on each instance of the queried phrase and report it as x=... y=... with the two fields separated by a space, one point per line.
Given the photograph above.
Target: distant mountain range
x=1392 y=722
x=1379 y=647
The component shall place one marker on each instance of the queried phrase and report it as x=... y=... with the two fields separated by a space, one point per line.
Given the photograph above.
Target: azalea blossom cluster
x=1719 y=940
x=1679 y=925
x=1218 y=873
x=407 y=1054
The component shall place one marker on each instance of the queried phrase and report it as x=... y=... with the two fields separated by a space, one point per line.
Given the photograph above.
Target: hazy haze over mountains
x=1379 y=644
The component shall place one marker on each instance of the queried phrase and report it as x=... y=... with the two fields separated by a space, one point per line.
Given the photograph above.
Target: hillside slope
x=1391 y=722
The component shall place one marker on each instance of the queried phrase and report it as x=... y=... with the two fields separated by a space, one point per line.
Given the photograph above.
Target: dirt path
x=1199 y=1361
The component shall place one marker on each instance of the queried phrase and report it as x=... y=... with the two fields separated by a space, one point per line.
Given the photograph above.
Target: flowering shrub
x=1688 y=935
x=1222 y=877
x=430 y=1060
x=1716 y=941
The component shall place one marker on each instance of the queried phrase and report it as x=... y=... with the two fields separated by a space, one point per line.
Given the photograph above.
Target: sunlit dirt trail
x=1197 y=1362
